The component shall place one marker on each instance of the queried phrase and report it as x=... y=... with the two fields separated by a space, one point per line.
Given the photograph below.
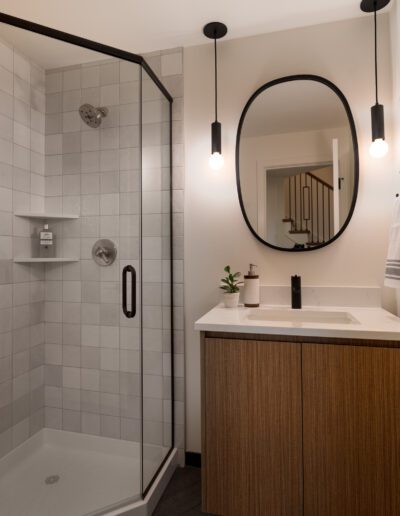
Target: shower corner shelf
x=45 y=260
x=46 y=215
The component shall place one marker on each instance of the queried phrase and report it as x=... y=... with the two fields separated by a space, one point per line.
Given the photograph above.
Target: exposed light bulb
x=216 y=161
x=378 y=148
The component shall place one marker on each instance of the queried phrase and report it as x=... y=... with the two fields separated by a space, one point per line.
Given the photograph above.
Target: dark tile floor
x=183 y=494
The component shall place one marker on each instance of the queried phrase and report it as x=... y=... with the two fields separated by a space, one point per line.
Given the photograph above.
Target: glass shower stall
x=86 y=322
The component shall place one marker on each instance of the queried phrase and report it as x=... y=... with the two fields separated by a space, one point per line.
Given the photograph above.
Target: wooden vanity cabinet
x=251 y=459
x=351 y=414
x=294 y=428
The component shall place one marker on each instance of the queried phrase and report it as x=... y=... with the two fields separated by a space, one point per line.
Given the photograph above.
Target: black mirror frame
x=350 y=118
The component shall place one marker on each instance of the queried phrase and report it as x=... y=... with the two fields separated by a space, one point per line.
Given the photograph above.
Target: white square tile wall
x=92 y=371
x=22 y=287
x=63 y=342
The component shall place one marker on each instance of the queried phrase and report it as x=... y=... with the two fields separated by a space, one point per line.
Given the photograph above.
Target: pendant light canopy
x=215 y=30
x=379 y=146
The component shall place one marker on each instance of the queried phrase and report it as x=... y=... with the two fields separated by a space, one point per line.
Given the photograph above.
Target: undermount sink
x=301 y=316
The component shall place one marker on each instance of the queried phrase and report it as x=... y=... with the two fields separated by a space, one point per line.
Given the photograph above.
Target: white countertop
x=370 y=323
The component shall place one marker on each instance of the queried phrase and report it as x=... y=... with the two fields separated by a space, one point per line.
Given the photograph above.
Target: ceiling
x=45 y=52
x=141 y=26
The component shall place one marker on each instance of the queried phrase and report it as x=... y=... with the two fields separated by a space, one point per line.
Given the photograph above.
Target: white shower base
x=94 y=473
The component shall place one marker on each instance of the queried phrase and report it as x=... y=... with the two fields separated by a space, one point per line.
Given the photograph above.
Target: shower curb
x=146 y=506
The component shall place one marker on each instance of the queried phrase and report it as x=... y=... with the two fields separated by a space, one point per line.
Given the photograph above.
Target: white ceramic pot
x=231 y=300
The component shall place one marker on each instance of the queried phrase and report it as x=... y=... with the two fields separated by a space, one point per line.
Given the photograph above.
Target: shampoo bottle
x=46 y=242
x=251 y=290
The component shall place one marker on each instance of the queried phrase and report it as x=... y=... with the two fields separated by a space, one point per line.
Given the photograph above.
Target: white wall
x=395 y=33
x=215 y=232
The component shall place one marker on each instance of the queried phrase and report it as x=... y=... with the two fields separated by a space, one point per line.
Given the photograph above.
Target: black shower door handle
x=129 y=270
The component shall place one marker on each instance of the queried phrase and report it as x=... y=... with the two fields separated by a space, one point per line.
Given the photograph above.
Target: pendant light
x=379 y=146
x=215 y=30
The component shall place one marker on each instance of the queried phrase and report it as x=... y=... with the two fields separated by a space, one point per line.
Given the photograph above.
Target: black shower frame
x=140 y=60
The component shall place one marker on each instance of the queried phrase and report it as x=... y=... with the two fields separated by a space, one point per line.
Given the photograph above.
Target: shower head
x=92 y=116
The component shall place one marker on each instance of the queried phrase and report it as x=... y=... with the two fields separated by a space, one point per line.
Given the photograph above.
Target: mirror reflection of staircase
x=308 y=208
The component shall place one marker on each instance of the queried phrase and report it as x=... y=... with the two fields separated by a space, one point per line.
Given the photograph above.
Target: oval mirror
x=297 y=163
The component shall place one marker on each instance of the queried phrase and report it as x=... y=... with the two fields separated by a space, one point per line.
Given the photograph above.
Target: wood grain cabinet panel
x=351 y=411
x=252 y=428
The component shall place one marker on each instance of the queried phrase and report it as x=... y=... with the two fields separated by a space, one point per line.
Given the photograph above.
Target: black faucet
x=296 y=292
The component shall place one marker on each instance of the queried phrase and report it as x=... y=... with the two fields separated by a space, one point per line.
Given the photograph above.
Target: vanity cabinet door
x=251 y=435
x=351 y=404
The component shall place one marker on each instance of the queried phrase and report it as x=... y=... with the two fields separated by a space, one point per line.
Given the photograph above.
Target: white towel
x=392 y=272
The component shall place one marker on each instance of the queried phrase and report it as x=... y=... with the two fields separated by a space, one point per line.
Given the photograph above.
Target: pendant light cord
x=376 y=54
x=216 y=79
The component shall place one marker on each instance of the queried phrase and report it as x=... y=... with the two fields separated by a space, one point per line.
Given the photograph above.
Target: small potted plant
x=230 y=286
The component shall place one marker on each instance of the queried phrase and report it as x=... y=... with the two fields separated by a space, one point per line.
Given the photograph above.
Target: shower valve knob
x=104 y=252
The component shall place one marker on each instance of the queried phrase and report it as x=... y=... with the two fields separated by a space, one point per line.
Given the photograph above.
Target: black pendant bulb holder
x=215 y=31
x=377 y=111
x=215 y=137
x=378 y=122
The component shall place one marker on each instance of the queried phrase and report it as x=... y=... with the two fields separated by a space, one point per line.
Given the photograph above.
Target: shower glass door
x=157 y=330
x=85 y=340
